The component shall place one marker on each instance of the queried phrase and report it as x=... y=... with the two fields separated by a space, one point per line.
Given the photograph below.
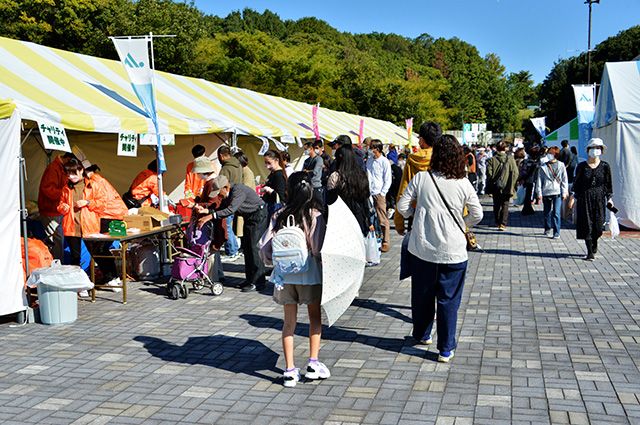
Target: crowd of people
x=431 y=192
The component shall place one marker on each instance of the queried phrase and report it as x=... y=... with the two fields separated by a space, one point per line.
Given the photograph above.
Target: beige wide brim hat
x=596 y=143
x=202 y=165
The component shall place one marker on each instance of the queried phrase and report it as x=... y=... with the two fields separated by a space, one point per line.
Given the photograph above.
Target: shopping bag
x=372 y=252
x=614 y=227
x=520 y=196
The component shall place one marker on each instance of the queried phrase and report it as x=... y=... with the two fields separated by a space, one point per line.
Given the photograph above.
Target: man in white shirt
x=379 y=174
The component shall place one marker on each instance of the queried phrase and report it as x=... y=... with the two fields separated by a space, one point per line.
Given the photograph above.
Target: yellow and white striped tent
x=90 y=94
x=93 y=99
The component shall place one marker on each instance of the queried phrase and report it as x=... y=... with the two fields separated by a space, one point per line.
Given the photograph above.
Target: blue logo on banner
x=131 y=62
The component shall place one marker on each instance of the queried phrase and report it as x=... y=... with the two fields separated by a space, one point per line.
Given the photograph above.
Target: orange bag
x=39 y=255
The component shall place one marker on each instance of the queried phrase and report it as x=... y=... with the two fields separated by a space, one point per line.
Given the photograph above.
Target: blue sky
x=526 y=34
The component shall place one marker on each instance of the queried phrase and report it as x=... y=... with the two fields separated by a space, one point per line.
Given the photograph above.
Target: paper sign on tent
x=54 y=137
x=128 y=144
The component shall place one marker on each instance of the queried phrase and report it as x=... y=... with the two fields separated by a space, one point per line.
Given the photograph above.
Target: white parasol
x=343 y=260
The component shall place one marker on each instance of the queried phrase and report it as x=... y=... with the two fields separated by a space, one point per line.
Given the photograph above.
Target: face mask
x=594 y=153
x=74 y=178
x=306 y=153
x=550 y=157
x=317 y=151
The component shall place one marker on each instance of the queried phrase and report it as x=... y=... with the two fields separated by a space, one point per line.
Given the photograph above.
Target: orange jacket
x=51 y=184
x=193 y=184
x=88 y=216
x=416 y=162
x=109 y=204
x=143 y=185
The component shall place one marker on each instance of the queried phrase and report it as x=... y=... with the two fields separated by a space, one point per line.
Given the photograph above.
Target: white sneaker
x=83 y=293
x=115 y=282
x=445 y=356
x=427 y=341
x=291 y=378
x=317 y=371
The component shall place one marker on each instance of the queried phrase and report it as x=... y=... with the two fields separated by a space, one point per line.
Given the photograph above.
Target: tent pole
x=24 y=213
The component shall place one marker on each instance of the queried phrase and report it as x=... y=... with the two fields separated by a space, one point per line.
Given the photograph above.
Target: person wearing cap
x=342 y=140
x=216 y=231
x=593 y=189
x=416 y=162
x=192 y=183
x=245 y=202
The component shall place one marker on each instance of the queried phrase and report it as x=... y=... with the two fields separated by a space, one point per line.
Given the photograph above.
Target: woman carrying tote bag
x=438 y=247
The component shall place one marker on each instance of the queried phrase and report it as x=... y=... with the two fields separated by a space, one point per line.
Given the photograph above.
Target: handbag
x=469 y=236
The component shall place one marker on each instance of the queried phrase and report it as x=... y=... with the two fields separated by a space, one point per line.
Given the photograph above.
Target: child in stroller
x=191 y=265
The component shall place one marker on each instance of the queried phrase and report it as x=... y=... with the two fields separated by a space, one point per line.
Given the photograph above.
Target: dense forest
x=385 y=76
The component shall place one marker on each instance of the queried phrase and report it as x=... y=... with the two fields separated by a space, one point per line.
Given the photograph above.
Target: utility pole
x=589 y=2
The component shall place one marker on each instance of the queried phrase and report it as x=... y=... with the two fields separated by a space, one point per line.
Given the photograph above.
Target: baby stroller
x=191 y=265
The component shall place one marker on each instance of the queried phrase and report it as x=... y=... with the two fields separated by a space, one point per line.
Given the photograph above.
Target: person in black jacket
x=350 y=182
x=527 y=177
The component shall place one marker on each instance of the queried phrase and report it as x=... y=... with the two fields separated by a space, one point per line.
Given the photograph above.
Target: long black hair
x=354 y=183
x=300 y=201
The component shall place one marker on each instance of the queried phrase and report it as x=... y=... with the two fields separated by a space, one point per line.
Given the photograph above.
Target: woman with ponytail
x=304 y=287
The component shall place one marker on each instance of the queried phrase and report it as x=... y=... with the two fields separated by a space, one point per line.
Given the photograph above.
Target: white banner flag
x=586 y=108
x=540 y=126
x=134 y=55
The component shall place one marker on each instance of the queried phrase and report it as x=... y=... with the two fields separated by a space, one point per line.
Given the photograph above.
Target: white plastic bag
x=520 y=194
x=71 y=278
x=372 y=251
x=614 y=227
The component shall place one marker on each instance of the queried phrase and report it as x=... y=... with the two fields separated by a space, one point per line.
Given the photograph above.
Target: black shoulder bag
x=469 y=236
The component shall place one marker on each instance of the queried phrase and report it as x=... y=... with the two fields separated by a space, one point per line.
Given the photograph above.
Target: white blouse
x=435 y=237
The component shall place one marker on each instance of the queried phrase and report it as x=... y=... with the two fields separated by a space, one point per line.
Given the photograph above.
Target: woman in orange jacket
x=109 y=207
x=78 y=206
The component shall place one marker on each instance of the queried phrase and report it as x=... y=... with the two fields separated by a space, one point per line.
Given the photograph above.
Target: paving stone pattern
x=544 y=338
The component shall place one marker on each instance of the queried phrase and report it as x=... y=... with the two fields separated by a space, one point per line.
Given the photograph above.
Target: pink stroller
x=191 y=265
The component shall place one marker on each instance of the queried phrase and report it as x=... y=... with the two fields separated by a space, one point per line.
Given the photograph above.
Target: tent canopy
x=569 y=132
x=90 y=94
x=617 y=123
x=619 y=96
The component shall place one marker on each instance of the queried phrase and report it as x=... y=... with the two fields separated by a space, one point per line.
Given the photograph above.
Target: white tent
x=617 y=123
x=569 y=132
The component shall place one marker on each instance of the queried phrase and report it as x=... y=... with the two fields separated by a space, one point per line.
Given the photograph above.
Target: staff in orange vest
x=51 y=184
x=110 y=207
x=78 y=206
x=145 y=185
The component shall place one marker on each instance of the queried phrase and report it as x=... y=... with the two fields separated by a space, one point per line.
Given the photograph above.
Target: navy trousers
x=431 y=281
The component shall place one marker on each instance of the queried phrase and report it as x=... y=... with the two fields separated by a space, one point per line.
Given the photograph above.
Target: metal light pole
x=589 y=2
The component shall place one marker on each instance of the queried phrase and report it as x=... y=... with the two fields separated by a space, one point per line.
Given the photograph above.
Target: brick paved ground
x=544 y=337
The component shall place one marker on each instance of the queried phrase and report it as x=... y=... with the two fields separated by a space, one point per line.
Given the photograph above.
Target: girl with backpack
x=301 y=284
